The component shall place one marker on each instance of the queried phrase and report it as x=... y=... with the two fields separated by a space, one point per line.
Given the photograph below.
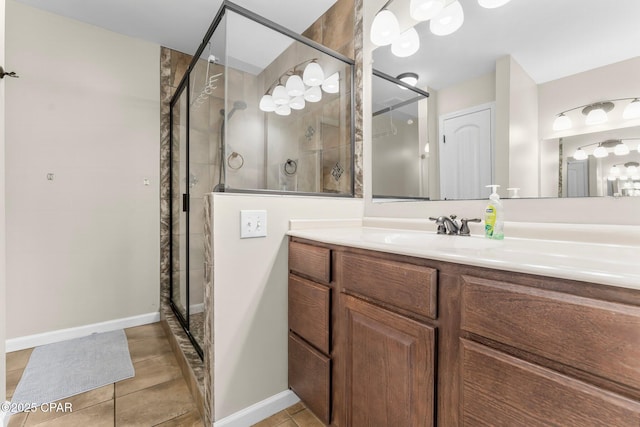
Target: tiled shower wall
x=340 y=29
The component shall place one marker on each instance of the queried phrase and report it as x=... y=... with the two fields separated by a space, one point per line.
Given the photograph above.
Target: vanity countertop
x=609 y=264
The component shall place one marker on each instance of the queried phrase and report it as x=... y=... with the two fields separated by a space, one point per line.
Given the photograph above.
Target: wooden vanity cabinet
x=310 y=327
x=414 y=342
x=537 y=357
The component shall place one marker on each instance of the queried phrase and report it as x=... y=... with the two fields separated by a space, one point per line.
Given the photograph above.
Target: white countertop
x=609 y=264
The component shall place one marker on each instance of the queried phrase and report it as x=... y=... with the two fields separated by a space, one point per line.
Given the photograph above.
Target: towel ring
x=238 y=164
x=290 y=167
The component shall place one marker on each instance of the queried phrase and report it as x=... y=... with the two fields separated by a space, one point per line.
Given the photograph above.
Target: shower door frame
x=185 y=85
x=184 y=320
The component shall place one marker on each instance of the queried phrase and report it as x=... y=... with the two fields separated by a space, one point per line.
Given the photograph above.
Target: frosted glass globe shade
x=283 y=110
x=295 y=86
x=580 y=154
x=596 y=116
x=632 y=111
x=313 y=94
x=266 y=104
x=448 y=21
x=297 y=103
x=280 y=95
x=385 y=28
x=332 y=83
x=423 y=10
x=313 y=74
x=600 y=152
x=407 y=44
x=621 y=149
x=562 y=122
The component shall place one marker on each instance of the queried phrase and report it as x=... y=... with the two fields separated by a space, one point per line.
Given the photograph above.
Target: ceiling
x=179 y=25
x=548 y=38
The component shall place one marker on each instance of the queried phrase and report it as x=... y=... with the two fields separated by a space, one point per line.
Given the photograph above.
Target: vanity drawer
x=406 y=286
x=309 y=311
x=310 y=377
x=313 y=262
x=594 y=336
x=502 y=390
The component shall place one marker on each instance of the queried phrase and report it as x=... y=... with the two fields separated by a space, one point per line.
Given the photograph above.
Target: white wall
x=516 y=144
x=84 y=247
x=3 y=317
x=250 y=294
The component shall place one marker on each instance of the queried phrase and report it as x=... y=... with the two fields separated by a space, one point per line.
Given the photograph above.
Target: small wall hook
x=10 y=73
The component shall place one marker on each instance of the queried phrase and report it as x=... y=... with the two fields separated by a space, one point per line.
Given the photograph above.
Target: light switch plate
x=253 y=223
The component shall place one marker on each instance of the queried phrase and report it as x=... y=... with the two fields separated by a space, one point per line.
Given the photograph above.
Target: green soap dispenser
x=494 y=216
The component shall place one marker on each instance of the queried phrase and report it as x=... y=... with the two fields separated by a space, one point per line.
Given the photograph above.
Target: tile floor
x=156 y=396
x=294 y=416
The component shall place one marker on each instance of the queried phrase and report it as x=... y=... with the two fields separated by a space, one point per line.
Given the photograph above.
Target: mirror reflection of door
x=577 y=178
x=466 y=154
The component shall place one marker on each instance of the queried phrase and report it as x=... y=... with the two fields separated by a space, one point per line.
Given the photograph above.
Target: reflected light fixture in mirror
x=406 y=44
x=600 y=152
x=282 y=98
x=295 y=86
x=313 y=74
x=332 y=83
x=580 y=154
x=621 y=149
x=408 y=78
x=562 y=122
x=632 y=111
x=596 y=113
x=313 y=94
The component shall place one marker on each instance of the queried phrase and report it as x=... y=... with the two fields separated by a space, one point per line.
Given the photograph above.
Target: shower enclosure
x=260 y=109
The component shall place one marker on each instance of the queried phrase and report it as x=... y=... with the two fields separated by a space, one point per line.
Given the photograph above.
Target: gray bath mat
x=64 y=369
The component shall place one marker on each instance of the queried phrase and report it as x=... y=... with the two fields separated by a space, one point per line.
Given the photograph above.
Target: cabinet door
x=389 y=368
x=502 y=390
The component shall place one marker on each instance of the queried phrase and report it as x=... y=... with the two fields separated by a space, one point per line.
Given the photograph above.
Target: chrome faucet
x=449 y=225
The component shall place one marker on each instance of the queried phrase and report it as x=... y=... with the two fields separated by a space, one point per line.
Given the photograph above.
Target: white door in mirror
x=253 y=223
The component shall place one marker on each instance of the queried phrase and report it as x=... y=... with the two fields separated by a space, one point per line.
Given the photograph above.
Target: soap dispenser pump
x=494 y=216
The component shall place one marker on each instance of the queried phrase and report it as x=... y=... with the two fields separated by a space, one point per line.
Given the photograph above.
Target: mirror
x=496 y=87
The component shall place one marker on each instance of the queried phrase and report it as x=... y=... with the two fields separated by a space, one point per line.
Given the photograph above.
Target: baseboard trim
x=259 y=411
x=20 y=343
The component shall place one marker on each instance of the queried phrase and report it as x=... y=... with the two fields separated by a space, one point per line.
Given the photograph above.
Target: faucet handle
x=442 y=229
x=464 y=229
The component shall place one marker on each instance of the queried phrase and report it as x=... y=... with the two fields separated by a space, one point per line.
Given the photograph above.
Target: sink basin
x=426 y=240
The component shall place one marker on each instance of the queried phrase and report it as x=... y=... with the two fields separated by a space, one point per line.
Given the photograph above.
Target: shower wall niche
x=260 y=109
